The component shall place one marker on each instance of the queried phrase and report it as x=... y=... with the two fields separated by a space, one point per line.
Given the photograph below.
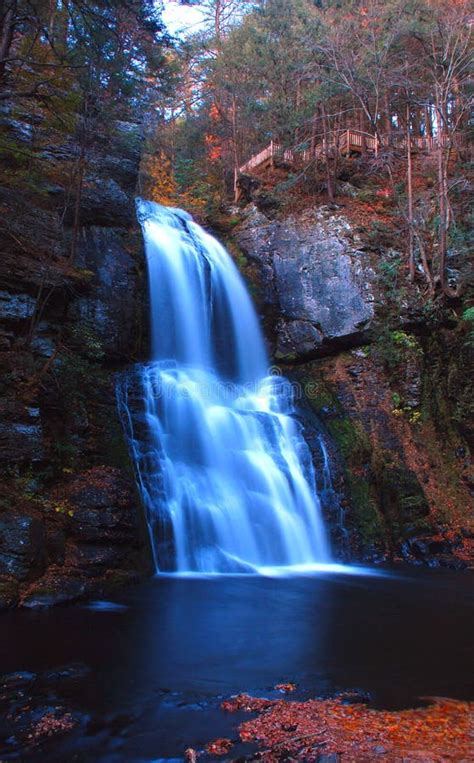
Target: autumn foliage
x=304 y=731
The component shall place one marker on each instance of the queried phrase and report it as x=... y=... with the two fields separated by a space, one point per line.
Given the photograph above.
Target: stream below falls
x=143 y=676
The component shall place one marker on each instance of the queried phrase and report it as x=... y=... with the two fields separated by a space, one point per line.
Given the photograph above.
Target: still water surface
x=153 y=668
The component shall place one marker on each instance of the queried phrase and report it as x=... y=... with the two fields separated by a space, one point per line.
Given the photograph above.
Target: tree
x=447 y=57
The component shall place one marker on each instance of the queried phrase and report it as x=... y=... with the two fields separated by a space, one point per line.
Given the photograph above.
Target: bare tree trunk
x=388 y=116
x=235 y=151
x=80 y=181
x=329 y=178
x=314 y=124
x=425 y=265
x=53 y=7
x=6 y=38
x=443 y=204
x=411 y=251
x=428 y=123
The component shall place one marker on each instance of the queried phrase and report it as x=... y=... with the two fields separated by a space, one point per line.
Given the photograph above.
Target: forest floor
x=333 y=730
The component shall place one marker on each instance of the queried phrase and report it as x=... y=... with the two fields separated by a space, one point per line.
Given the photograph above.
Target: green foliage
x=468 y=317
x=394 y=347
x=460 y=237
x=355 y=448
x=380 y=234
x=389 y=270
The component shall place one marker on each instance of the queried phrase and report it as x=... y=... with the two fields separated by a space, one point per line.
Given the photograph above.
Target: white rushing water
x=222 y=466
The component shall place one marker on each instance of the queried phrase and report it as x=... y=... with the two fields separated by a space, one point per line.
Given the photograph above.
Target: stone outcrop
x=389 y=396
x=317 y=284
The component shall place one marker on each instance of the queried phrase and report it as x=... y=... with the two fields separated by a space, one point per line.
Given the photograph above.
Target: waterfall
x=224 y=472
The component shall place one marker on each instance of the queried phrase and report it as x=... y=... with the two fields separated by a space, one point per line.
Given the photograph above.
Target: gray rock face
x=111 y=303
x=16 y=307
x=314 y=278
x=70 y=316
x=21 y=435
x=103 y=202
x=21 y=545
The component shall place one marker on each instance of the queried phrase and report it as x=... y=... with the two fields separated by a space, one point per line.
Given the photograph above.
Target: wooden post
x=236 y=185
x=411 y=248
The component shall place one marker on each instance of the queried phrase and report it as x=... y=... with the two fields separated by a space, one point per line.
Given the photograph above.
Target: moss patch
x=355 y=449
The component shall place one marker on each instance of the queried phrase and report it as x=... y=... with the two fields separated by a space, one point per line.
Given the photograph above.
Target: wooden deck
x=347 y=143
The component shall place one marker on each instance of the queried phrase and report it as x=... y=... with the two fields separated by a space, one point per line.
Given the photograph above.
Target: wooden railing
x=345 y=143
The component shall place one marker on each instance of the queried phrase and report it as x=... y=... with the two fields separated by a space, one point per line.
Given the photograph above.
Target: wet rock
x=21 y=546
x=103 y=203
x=16 y=307
x=44 y=341
x=53 y=590
x=89 y=324
x=297 y=337
x=111 y=305
x=92 y=560
x=120 y=170
x=63 y=152
x=126 y=139
x=6 y=339
x=314 y=278
x=55 y=543
x=436 y=551
x=21 y=434
x=103 y=523
x=20 y=131
x=402 y=499
x=33 y=710
x=100 y=534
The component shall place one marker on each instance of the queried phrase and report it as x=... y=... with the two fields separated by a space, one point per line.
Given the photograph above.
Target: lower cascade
x=224 y=472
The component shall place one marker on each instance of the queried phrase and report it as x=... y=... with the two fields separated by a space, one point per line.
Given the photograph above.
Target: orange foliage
x=219 y=747
x=214 y=149
x=306 y=730
x=158 y=179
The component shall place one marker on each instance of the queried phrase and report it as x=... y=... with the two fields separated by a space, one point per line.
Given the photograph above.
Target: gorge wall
x=385 y=379
x=72 y=307
x=389 y=380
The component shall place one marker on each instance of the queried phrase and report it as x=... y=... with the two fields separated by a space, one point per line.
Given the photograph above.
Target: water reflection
x=162 y=657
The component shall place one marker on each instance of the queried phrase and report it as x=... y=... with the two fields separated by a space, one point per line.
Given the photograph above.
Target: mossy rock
x=355 y=449
x=403 y=502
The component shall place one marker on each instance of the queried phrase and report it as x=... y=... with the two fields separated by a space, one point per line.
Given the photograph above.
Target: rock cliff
x=316 y=280
x=72 y=300
x=386 y=378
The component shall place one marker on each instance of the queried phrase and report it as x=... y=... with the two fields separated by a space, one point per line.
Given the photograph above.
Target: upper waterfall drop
x=223 y=469
x=201 y=313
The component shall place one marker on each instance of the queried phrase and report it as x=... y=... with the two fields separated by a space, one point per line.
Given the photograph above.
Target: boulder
x=314 y=279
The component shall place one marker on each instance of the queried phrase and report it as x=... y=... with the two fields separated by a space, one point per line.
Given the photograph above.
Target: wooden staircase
x=346 y=143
